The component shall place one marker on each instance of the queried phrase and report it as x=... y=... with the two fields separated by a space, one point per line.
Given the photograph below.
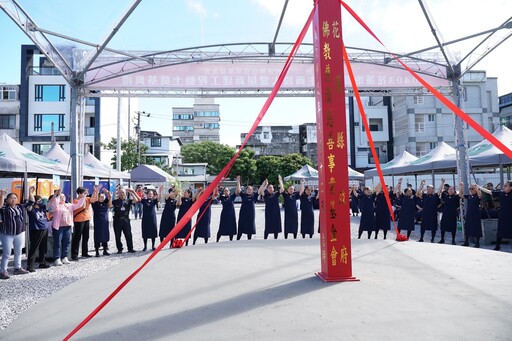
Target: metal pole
x=137 y=131
x=77 y=137
x=118 y=151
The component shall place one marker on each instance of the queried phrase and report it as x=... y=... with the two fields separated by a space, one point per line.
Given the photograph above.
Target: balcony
x=89 y=131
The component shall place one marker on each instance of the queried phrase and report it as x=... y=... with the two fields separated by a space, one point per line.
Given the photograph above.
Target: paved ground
x=266 y=289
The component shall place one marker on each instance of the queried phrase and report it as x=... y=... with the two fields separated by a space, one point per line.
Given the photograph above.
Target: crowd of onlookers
x=69 y=222
x=434 y=210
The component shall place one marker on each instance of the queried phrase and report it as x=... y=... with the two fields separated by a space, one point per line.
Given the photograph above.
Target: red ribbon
x=399 y=237
x=457 y=111
x=208 y=191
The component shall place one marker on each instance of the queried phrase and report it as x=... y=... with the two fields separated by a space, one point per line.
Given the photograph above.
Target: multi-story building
x=9 y=110
x=420 y=122
x=274 y=140
x=506 y=109
x=197 y=123
x=45 y=106
x=164 y=150
x=308 y=142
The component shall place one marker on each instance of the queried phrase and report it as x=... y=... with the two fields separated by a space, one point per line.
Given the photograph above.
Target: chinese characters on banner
x=336 y=257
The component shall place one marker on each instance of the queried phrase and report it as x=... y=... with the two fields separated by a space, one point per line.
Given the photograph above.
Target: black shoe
x=441 y=241
x=74 y=259
x=153 y=249
x=145 y=249
x=86 y=256
x=465 y=244
x=31 y=269
x=130 y=251
x=97 y=253
x=421 y=240
x=44 y=265
x=120 y=251
x=497 y=248
x=477 y=245
x=106 y=253
x=453 y=242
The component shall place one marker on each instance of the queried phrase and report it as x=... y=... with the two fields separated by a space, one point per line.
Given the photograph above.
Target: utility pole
x=137 y=131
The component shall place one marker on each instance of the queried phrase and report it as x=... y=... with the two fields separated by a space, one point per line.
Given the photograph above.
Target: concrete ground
x=266 y=289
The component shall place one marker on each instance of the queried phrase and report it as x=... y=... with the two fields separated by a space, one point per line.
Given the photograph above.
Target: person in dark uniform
x=204 y=216
x=504 y=213
x=184 y=203
x=272 y=210
x=429 y=216
x=149 y=223
x=168 y=219
x=450 y=206
x=472 y=221
x=307 y=216
x=407 y=208
x=354 y=201
x=121 y=218
x=419 y=207
x=382 y=216
x=100 y=204
x=38 y=232
x=367 y=206
x=291 y=216
x=227 y=225
x=247 y=215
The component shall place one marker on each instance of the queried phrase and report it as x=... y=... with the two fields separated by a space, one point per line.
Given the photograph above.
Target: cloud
x=197 y=7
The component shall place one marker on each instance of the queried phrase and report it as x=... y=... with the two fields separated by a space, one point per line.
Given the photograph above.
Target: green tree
x=267 y=168
x=289 y=164
x=245 y=166
x=129 y=154
x=216 y=155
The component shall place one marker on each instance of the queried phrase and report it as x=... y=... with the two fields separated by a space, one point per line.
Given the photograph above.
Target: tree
x=245 y=166
x=216 y=155
x=267 y=168
x=129 y=155
x=289 y=164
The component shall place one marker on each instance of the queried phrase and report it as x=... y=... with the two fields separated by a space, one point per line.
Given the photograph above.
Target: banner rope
x=208 y=191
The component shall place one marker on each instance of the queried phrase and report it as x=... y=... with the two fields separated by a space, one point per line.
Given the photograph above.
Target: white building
x=9 y=110
x=164 y=150
x=197 y=123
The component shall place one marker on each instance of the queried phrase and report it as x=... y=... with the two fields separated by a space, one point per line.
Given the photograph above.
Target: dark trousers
x=123 y=225
x=80 y=229
x=38 y=241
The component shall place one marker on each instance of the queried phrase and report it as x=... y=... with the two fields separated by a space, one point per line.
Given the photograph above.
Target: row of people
x=410 y=204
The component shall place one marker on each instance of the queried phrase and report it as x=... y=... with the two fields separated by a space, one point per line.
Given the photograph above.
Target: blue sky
x=165 y=25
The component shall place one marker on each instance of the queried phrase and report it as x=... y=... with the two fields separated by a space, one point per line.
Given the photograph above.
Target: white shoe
x=57 y=262
x=65 y=260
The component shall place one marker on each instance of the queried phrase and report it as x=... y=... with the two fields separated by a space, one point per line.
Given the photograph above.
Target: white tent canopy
x=388 y=168
x=429 y=161
x=106 y=171
x=59 y=155
x=309 y=173
x=14 y=158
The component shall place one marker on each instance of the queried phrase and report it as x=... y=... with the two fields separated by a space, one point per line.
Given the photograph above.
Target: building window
x=183 y=128
x=43 y=122
x=41 y=148
x=8 y=93
x=433 y=145
x=431 y=118
x=266 y=135
x=90 y=101
x=188 y=171
x=375 y=124
x=182 y=117
x=419 y=123
x=211 y=126
x=156 y=142
x=50 y=93
x=7 y=121
x=419 y=100
x=206 y=113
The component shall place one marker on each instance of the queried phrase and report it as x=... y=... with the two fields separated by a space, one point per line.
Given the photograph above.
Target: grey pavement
x=266 y=289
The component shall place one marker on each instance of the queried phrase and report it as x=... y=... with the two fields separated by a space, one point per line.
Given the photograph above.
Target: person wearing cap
x=429 y=211
x=504 y=213
x=38 y=233
x=472 y=220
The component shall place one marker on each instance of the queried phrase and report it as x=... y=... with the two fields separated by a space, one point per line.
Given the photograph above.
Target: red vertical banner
x=335 y=246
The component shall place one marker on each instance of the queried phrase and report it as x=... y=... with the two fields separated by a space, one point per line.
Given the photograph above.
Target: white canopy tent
x=16 y=159
x=59 y=155
x=309 y=173
x=429 y=161
x=108 y=172
x=391 y=167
